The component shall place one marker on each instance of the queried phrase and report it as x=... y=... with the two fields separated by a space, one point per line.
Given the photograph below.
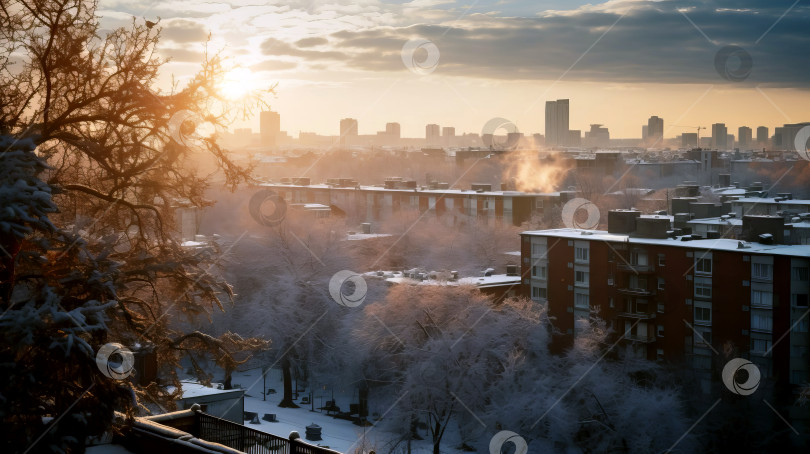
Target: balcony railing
x=636 y=338
x=194 y=432
x=622 y=266
x=638 y=315
x=637 y=291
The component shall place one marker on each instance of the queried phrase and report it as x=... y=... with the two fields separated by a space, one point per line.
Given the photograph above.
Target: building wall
x=658 y=304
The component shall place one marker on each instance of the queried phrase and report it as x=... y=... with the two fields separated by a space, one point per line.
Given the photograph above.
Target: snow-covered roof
x=417 y=190
x=366 y=236
x=494 y=280
x=721 y=244
x=194 y=389
x=717 y=221
x=767 y=200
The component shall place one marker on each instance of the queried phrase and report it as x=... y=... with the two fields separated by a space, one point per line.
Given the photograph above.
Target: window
x=610 y=300
x=661 y=308
x=762 y=322
x=610 y=279
x=581 y=254
x=539 y=292
x=662 y=260
x=539 y=271
x=638 y=258
x=802 y=326
x=661 y=283
x=760 y=298
x=703 y=336
x=538 y=250
x=798 y=351
x=798 y=299
x=703 y=315
x=703 y=265
x=660 y=330
x=800 y=273
x=760 y=345
x=581 y=277
x=798 y=377
x=659 y=354
x=703 y=287
x=581 y=300
x=637 y=282
x=762 y=271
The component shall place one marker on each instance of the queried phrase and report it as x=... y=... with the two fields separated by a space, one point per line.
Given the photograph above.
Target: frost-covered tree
x=91 y=165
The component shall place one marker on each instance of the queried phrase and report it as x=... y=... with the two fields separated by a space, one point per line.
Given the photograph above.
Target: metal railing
x=251 y=441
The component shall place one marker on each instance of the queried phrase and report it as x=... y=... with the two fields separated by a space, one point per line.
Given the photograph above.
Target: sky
x=462 y=63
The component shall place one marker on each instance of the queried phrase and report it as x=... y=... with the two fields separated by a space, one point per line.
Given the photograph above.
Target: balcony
x=637 y=291
x=194 y=432
x=638 y=315
x=648 y=339
x=640 y=269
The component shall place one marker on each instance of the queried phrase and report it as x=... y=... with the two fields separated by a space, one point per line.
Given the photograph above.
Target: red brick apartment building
x=377 y=203
x=677 y=299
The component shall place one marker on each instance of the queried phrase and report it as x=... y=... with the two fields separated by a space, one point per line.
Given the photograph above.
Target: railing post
x=294 y=437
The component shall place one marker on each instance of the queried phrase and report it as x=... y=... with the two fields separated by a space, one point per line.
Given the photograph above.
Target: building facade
x=677 y=301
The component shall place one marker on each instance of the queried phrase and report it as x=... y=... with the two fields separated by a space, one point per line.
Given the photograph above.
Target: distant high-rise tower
x=655 y=131
x=448 y=136
x=392 y=130
x=719 y=136
x=557 y=116
x=762 y=136
x=269 y=127
x=348 y=129
x=432 y=134
x=744 y=138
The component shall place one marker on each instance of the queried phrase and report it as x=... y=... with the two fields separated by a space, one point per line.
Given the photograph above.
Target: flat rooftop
x=721 y=244
x=431 y=191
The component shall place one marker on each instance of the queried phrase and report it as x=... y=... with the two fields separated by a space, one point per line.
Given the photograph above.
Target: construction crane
x=696 y=127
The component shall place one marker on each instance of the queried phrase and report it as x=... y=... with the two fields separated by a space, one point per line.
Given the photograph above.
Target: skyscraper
x=744 y=138
x=269 y=127
x=348 y=130
x=557 y=115
x=392 y=130
x=719 y=136
x=762 y=136
x=432 y=134
x=655 y=131
x=448 y=136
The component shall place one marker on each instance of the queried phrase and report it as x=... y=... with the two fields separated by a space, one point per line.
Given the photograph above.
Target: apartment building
x=378 y=203
x=676 y=299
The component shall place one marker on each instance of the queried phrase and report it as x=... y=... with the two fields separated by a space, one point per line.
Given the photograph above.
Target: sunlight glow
x=238 y=83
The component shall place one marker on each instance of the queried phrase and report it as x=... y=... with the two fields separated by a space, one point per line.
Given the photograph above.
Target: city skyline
x=333 y=59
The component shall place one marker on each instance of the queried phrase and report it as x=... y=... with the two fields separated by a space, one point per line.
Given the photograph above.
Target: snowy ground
x=337 y=434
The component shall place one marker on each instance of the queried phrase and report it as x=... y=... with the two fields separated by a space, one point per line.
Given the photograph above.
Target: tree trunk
x=437 y=437
x=287 y=401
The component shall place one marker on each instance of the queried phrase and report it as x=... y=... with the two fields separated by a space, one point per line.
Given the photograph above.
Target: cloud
x=184 y=31
x=311 y=42
x=276 y=47
x=274 y=65
x=182 y=55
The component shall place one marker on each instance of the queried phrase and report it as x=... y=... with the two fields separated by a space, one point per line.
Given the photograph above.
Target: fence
x=251 y=441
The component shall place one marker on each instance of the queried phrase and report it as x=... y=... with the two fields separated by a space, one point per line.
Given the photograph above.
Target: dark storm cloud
x=653 y=42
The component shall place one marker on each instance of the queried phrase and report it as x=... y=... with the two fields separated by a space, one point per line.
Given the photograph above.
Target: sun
x=237 y=83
